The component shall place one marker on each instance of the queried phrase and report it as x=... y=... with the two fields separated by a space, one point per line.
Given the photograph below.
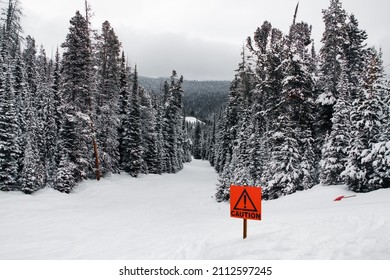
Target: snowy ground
x=176 y=217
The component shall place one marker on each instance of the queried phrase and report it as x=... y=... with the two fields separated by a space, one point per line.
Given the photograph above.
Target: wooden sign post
x=245 y=203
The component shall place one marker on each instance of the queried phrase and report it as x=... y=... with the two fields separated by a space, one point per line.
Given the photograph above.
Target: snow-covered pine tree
x=241 y=157
x=12 y=28
x=51 y=116
x=107 y=99
x=212 y=139
x=12 y=105
x=335 y=149
x=291 y=166
x=331 y=54
x=228 y=126
x=172 y=126
x=20 y=92
x=132 y=149
x=283 y=169
x=162 y=127
x=148 y=128
x=379 y=155
x=360 y=172
x=38 y=84
x=30 y=62
x=177 y=92
x=258 y=153
x=241 y=151
x=77 y=89
x=161 y=164
x=187 y=156
x=124 y=101
x=55 y=89
x=9 y=129
x=299 y=88
x=239 y=107
x=268 y=54
x=384 y=88
x=43 y=99
x=67 y=175
x=355 y=52
x=352 y=65
x=225 y=180
x=33 y=175
x=234 y=158
x=196 y=146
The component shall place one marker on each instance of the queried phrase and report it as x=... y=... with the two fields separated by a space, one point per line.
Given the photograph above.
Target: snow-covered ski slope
x=176 y=217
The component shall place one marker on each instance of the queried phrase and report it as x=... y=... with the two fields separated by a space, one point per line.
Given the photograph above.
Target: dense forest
x=83 y=114
x=296 y=118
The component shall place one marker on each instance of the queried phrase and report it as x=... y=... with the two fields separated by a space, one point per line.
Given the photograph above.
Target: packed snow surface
x=174 y=216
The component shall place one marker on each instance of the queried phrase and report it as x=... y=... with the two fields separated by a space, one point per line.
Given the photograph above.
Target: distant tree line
x=83 y=114
x=201 y=99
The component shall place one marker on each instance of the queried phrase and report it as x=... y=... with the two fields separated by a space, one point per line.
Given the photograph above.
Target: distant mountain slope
x=201 y=99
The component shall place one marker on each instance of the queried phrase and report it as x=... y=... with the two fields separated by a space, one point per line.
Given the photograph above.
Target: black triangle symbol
x=245 y=196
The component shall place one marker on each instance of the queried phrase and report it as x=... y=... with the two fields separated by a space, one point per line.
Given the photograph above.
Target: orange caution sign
x=245 y=202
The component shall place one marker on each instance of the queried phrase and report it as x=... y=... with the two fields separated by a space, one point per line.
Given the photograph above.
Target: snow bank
x=175 y=216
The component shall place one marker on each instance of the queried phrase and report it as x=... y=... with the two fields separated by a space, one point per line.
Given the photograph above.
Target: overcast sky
x=201 y=39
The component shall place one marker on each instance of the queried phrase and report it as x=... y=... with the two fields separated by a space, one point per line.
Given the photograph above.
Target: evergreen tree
x=349 y=83
x=9 y=144
x=43 y=100
x=132 y=139
x=51 y=122
x=124 y=101
x=55 y=89
x=172 y=126
x=67 y=170
x=20 y=96
x=334 y=39
x=12 y=94
x=77 y=125
x=107 y=100
x=234 y=156
x=33 y=171
x=360 y=171
x=12 y=28
x=187 y=155
x=258 y=154
x=212 y=143
x=355 y=53
x=241 y=156
x=284 y=170
x=335 y=150
x=30 y=61
x=196 y=146
x=161 y=164
x=148 y=128
x=291 y=166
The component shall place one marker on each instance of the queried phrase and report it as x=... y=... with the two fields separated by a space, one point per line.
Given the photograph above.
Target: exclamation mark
x=244 y=201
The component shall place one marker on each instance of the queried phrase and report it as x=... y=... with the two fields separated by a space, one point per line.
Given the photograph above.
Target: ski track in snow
x=174 y=216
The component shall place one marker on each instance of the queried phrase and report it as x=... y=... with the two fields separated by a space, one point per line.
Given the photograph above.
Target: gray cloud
x=157 y=55
x=199 y=38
